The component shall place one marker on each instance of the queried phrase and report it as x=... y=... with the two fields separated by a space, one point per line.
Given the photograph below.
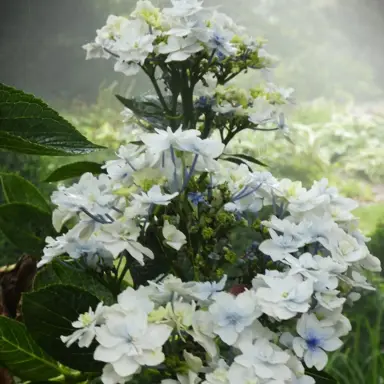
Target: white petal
x=331 y=344
x=107 y=355
x=126 y=366
x=316 y=358
x=151 y=358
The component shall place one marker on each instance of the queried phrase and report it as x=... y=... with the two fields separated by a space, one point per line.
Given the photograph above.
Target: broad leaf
x=21 y=355
x=16 y=189
x=61 y=273
x=251 y=159
x=151 y=110
x=72 y=170
x=49 y=313
x=28 y=125
x=26 y=226
x=321 y=377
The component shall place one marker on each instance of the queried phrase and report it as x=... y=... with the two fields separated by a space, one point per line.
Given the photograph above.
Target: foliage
x=327 y=140
x=167 y=209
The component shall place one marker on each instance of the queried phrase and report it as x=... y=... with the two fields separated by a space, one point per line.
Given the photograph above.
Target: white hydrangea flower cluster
x=173 y=196
x=177 y=34
x=318 y=258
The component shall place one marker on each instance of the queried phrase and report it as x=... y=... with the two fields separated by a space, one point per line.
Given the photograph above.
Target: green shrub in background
x=376 y=245
x=328 y=140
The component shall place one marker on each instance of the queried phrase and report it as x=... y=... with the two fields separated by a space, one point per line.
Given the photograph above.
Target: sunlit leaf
x=28 y=125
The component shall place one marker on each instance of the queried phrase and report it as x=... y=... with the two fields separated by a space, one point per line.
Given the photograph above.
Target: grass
x=370 y=216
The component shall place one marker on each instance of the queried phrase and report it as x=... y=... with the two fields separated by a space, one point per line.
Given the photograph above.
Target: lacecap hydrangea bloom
x=237 y=277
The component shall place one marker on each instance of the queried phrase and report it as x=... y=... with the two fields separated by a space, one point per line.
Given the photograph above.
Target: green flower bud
x=230 y=256
x=207 y=233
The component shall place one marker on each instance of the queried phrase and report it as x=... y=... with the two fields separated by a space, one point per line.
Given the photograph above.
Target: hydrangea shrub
x=168 y=209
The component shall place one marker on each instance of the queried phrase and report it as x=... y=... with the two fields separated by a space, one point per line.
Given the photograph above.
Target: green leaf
x=16 y=189
x=151 y=110
x=237 y=161
x=321 y=377
x=61 y=273
x=28 y=125
x=251 y=159
x=49 y=313
x=72 y=170
x=21 y=355
x=26 y=226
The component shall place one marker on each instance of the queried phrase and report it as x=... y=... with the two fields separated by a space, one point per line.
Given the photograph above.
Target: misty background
x=328 y=48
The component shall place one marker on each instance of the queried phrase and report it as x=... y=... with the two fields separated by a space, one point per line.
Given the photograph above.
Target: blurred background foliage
x=328 y=50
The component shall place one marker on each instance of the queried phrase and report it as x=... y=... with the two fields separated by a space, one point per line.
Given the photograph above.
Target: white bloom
x=86 y=327
x=173 y=237
x=238 y=374
x=207 y=290
x=153 y=197
x=335 y=319
x=183 y=8
x=314 y=340
x=90 y=193
x=89 y=250
x=371 y=263
x=120 y=236
x=202 y=331
x=267 y=360
x=298 y=372
x=282 y=297
x=95 y=51
x=162 y=140
x=280 y=246
x=233 y=314
x=110 y=376
x=135 y=42
x=255 y=331
x=359 y=280
x=329 y=299
x=131 y=159
x=179 y=48
x=128 y=342
x=219 y=375
x=179 y=314
x=131 y=300
x=343 y=247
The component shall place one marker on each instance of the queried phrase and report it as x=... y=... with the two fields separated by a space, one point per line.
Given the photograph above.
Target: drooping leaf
x=237 y=161
x=26 y=226
x=16 y=189
x=21 y=355
x=151 y=110
x=28 y=125
x=72 y=170
x=49 y=313
x=251 y=159
x=61 y=273
x=321 y=377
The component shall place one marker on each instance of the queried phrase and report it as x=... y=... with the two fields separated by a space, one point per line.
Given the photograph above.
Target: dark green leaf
x=72 y=170
x=251 y=159
x=49 y=313
x=26 y=226
x=237 y=161
x=61 y=273
x=21 y=355
x=28 y=125
x=16 y=189
x=151 y=110
x=321 y=377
